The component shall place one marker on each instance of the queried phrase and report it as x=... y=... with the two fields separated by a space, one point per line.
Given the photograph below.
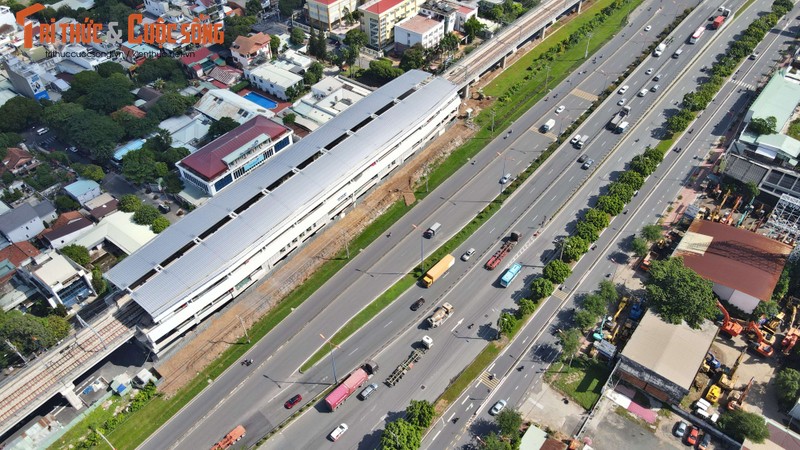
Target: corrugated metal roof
x=736 y=258
x=275 y=212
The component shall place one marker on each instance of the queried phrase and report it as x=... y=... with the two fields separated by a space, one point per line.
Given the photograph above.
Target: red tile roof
x=208 y=162
x=383 y=6
x=249 y=44
x=16 y=253
x=465 y=9
x=134 y=111
x=324 y=2
x=737 y=258
x=197 y=56
x=16 y=157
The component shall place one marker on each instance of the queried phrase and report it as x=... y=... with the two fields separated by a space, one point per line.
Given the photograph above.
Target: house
x=21 y=223
x=118 y=230
x=46 y=210
x=13 y=256
x=328 y=14
x=219 y=103
x=18 y=161
x=200 y=62
x=101 y=206
x=463 y=14
x=274 y=80
x=58 y=279
x=327 y=99
x=418 y=30
x=83 y=190
x=226 y=76
x=247 y=48
x=78 y=58
x=440 y=11
x=138 y=53
x=63 y=232
x=188 y=130
x=378 y=18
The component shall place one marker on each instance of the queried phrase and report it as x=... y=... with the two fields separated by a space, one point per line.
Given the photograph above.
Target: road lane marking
x=354 y=350
x=387 y=324
x=465 y=400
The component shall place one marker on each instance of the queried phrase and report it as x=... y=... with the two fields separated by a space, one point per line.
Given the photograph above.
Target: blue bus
x=510 y=274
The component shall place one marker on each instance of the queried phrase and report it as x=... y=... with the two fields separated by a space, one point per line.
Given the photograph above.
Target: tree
x=107 y=95
x=65 y=203
x=236 y=26
x=766 y=309
x=289 y=118
x=109 y=67
x=221 y=126
x=77 y=253
x=96 y=132
x=129 y=203
x=599 y=219
x=570 y=341
x=297 y=36
x=253 y=8
x=274 y=44
x=99 y=284
x=622 y=191
x=679 y=294
x=472 y=27
x=168 y=69
x=134 y=127
x=632 y=179
x=585 y=319
x=287 y=7
x=159 y=224
x=541 y=288
x=383 y=70
x=642 y=164
x=751 y=190
x=509 y=421
x=586 y=230
x=651 y=233
x=494 y=442
x=146 y=214
x=413 y=58
x=313 y=74
x=574 y=247
x=355 y=39
x=91 y=172
x=169 y=105
x=763 y=126
x=608 y=292
x=557 y=271
x=742 y=425
x=140 y=166
x=173 y=184
x=526 y=307
x=610 y=204
x=400 y=435
x=640 y=247
x=596 y=304
x=449 y=43
x=782 y=287
x=506 y=323
x=788 y=383
x=420 y=413
x=19 y=113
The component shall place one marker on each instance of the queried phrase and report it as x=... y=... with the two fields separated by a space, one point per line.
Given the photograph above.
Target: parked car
x=623 y=89
x=680 y=429
x=417 y=304
x=705 y=441
x=498 y=407
x=293 y=401
x=691 y=438
x=338 y=432
x=468 y=254
x=587 y=164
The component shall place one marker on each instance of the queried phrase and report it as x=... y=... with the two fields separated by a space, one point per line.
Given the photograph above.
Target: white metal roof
x=274 y=212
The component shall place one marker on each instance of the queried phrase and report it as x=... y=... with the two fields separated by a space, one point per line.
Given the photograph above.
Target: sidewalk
x=688 y=194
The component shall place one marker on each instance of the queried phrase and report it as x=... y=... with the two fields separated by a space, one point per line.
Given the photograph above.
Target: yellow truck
x=438 y=270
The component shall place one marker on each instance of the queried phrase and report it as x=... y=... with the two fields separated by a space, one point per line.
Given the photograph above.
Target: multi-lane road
x=254 y=395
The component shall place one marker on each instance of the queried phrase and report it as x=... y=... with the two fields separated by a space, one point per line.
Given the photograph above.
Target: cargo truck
x=406 y=365
x=230 y=438
x=510 y=274
x=615 y=121
x=622 y=127
x=548 y=125
x=438 y=270
x=441 y=314
x=505 y=249
x=660 y=49
x=350 y=385
x=717 y=23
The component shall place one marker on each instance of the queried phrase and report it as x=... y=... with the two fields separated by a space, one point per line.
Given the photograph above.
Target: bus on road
x=697 y=35
x=510 y=274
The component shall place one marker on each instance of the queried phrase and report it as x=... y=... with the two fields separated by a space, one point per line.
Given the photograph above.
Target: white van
x=431 y=232
x=702 y=404
x=42 y=131
x=702 y=413
x=677 y=53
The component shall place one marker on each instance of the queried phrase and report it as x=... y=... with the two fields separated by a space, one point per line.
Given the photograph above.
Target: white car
x=338 y=432
x=648 y=28
x=505 y=178
x=498 y=407
x=621 y=102
x=468 y=254
x=575 y=139
x=560 y=109
x=649 y=71
x=643 y=92
x=623 y=89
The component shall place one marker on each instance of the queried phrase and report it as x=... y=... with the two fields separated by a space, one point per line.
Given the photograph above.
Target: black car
x=417 y=304
x=583 y=158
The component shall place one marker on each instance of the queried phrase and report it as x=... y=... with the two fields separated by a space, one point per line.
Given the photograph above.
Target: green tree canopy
x=610 y=204
x=595 y=304
x=253 y=8
x=557 y=271
x=763 y=126
x=472 y=27
x=574 y=248
x=608 y=292
x=679 y=294
x=420 y=413
x=640 y=247
x=99 y=133
x=159 y=224
x=652 y=233
x=129 y=203
x=108 y=68
x=64 y=203
x=236 y=26
x=584 y=319
x=140 y=166
x=77 y=253
x=494 y=442
x=221 y=126
x=167 y=69
x=632 y=179
x=506 y=322
x=400 y=435
x=274 y=44
x=527 y=306
x=541 y=288
x=509 y=421
x=587 y=230
x=383 y=70
x=570 y=340
x=643 y=165
x=146 y=215
x=90 y=171
x=297 y=36
x=413 y=58
x=788 y=383
x=622 y=191
x=742 y=425
x=355 y=39
x=20 y=113
x=599 y=219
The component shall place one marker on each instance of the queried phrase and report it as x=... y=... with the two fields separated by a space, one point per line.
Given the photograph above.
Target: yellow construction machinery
x=714 y=393
x=715 y=215
x=737 y=398
x=773 y=325
x=727 y=381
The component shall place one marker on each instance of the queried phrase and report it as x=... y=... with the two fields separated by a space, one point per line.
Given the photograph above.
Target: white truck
x=660 y=49
x=441 y=314
x=622 y=127
x=548 y=125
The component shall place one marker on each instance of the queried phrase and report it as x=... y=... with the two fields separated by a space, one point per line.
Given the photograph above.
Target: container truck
x=441 y=314
x=615 y=121
x=406 y=365
x=717 y=23
x=510 y=274
x=438 y=270
x=350 y=385
x=230 y=438
x=505 y=249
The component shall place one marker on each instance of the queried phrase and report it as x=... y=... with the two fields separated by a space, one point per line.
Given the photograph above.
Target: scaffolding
x=784 y=221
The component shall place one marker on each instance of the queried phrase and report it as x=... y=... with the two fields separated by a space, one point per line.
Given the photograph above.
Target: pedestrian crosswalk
x=583 y=94
x=742 y=84
x=490 y=383
x=561 y=295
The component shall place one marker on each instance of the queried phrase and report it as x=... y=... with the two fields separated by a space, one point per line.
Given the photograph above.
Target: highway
x=254 y=395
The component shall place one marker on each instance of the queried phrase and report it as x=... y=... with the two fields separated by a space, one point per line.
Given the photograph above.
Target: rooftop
x=778 y=99
x=53 y=268
x=249 y=44
x=276 y=75
x=81 y=187
x=418 y=24
x=679 y=352
x=380 y=6
x=219 y=103
x=210 y=160
x=17 y=217
x=733 y=257
x=119 y=229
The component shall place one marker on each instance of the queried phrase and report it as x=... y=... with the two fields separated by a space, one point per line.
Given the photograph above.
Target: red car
x=293 y=401
x=691 y=438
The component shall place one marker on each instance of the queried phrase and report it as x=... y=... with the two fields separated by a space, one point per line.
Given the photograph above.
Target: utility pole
x=244 y=328
x=25 y=360
x=346 y=244
x=588 y=38
x=83 y=322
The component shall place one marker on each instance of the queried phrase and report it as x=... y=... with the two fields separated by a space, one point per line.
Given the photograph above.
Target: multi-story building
x=25 y=79
x=378 y=18
x=440 y=11
x=418 y=30
x=201 y=263
x=234 y=154
x=274 y=80
x=58 y=279
x=328 y=14
x=245 y=49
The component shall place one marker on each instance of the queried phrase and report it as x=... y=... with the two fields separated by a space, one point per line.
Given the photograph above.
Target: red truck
x=230 y=438
x=350 y=385
x=718 y=21
x=505 y=249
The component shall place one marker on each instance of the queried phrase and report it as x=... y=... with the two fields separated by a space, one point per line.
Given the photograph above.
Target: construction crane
x=729 y=327
x=759 y=344
x=728 y=381
x=737 y=398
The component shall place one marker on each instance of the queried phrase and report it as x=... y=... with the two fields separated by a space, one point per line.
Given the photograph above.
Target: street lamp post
x=346 y=244
x=588 y=39
x=333 y=361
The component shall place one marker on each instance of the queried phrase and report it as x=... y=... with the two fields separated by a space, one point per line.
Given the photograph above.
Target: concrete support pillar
x=544 y=31
x=503 y=62
x=580 y=3
x=466 y=91
x=71 y=397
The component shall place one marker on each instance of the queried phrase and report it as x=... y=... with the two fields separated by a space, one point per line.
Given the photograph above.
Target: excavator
x=715 y=215
x=789 y=340
x=759 y=344
x=737 y=398
x=766 y=336
x=729 y=219
x=773 y=324
x=728 y=381
x=729 y=327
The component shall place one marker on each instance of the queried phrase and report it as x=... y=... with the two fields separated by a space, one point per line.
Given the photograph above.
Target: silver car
x=498 y=407
x=468 y=254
